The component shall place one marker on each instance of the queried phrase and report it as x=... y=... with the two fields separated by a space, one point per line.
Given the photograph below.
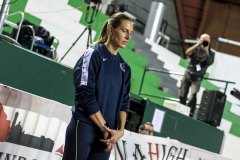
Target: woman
x=102 y=86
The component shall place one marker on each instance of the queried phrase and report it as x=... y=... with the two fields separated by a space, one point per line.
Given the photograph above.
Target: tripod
x=89 y=28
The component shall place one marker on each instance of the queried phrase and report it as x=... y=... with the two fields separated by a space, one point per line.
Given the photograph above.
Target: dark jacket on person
x=199 y=62
x=102 y=82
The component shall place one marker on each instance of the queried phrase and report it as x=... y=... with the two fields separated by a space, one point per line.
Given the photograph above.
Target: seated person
x=146 y=128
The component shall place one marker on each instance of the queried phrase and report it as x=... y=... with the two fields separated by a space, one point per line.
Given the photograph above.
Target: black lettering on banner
x=14 y=156
x=123 y=155
x=138 y=150
x=172 y=152
x=7 y=156
x=184 y=154
x=164 y=151
x=22 y=158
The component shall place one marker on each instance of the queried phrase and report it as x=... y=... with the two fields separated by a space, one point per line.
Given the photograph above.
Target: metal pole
x=226 y=87
x=3 y=13
x=141 y=84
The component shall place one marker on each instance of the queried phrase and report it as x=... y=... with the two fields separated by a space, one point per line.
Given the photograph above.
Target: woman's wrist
x=121 y=131
x=104 y=127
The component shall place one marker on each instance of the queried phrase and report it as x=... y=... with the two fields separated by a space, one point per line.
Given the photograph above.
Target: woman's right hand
x=106 y=132
x=106 y=138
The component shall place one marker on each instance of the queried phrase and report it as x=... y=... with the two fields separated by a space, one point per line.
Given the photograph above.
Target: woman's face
x=119 y=36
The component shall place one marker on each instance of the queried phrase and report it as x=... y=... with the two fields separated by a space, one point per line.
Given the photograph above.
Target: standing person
x=201 y=57
x=102 y=87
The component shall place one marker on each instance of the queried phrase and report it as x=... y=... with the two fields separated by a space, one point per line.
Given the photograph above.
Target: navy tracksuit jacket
x=102 y=83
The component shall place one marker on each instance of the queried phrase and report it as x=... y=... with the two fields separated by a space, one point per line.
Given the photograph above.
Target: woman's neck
x=111 y=48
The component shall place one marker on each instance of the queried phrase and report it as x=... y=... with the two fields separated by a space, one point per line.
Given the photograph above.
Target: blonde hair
x=115 y=21
x=148 y=123
x=142 y=126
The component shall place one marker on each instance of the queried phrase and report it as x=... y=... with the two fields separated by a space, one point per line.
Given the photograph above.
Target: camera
x=94 y=1
x=205 y=43
x=235 y=93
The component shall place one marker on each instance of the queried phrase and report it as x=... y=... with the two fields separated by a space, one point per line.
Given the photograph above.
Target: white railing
x=14 y=25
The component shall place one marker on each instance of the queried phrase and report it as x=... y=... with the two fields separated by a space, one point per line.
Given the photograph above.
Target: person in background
x=102 y=87
x=201 y=57
x=146 y=129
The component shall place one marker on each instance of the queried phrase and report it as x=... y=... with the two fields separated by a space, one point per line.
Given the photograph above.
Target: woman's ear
x=109 y=29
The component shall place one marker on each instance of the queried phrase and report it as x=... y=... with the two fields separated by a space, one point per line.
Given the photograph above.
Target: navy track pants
x=83 y=142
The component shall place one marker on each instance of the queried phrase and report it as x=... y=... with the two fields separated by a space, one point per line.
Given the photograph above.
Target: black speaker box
x=211 y=107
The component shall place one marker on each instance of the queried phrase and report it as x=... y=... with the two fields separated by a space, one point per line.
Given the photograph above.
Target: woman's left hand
x=115 y=136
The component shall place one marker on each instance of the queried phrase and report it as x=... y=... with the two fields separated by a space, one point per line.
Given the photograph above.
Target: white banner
x=33 y=128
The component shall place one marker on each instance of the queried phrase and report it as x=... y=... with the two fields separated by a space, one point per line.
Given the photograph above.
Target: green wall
x=33 y=73
x=185 y=129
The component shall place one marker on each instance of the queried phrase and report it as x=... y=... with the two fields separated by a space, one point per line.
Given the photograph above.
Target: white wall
x=62 y=21
x=226 y=67
x=230 y=147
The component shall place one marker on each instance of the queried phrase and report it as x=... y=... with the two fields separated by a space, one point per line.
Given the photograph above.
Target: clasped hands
x=110 y=137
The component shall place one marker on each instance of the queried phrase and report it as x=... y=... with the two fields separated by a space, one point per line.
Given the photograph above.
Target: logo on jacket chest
x=122 y=66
